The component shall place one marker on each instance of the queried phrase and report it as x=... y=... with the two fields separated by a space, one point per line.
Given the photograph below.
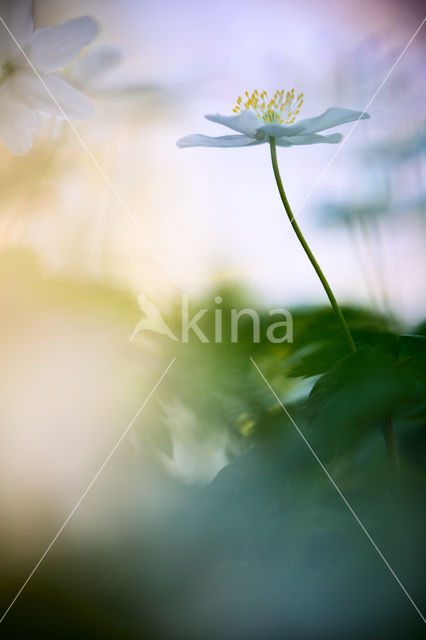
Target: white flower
x=97 y=62
x=259 y=117
x=335 y=213
x=22 y=94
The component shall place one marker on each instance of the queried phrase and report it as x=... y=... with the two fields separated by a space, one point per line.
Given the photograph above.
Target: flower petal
x=199 y=140
x=74 y=104
x=99 y=60
x=278 y=130
x=52 y=48
x=312 y=138
x=246 y=122
x=28 y=88
x=17 y=14
x=17 y=125
x=331 y=118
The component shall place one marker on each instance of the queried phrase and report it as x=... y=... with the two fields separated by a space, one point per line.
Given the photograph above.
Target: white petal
x=331 y=118
x=198 y=140
x=246 y=122
x=17 y=14
x=17 y=125
x=312 y=138
x=96 y=62
x=52 y=48
x=37 y=94
x=74 y=104
x=278 y=130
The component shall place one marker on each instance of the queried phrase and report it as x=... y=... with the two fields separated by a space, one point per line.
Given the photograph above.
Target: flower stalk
x=391 y=445
x=301 y=238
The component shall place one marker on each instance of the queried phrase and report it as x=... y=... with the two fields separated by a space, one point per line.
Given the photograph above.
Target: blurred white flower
x=92 y=74
x=398 y=148
x=343 y=213
x=89 y=68
x=22 y=94
x=260 y=117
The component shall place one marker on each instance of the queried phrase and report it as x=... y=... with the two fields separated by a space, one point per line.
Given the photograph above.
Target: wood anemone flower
x=258 y=118
x=22 y=94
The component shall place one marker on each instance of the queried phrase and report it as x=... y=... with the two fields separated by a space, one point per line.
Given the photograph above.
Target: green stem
x=306 y=248
x=390 y=440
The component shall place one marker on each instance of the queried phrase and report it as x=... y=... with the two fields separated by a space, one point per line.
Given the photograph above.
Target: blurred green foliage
x=266 y=549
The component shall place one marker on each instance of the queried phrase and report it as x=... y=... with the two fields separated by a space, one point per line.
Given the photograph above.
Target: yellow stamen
x=282 y=108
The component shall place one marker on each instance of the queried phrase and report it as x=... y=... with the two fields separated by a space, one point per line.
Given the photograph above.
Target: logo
x=224 y=327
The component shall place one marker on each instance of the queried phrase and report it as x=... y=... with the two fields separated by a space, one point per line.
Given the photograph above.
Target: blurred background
x=144 y=555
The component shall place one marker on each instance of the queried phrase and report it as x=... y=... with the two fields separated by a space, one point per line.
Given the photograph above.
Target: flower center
x=282 y=108
x=5 y=70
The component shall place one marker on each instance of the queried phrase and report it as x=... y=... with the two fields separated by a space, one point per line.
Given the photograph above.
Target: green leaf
x=318 y=361
x=412 y=345
x=353 y=399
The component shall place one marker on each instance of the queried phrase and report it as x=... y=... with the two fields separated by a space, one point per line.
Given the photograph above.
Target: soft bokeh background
x=72 y=261
x=219 y=210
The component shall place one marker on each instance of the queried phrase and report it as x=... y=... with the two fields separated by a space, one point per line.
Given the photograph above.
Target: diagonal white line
x=334 y=156
x=92 y=157
x=86 y=491
x=340 y=493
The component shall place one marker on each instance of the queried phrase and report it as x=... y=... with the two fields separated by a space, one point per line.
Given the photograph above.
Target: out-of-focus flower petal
x=17 y=14
x=28 y=88
x=312 y=138
x=18 y=123
x=398 y=149
x=334 y=213
x=199 y=140
x=52 y=48
x=94 y=63
x=331 y=118
x=74 y=103
x=246 y=122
